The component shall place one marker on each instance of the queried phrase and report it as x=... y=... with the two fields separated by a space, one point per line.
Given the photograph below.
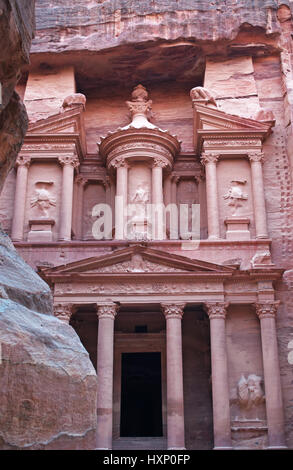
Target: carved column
x=266 y=312
x=256 y=160
x=105 y=355
x=63 y=312
x=22 y=164
x=221 y=401
x=175 y=402
x=210 y=162
x=175 y=181
x=81 y=183
x=69 y=163
x=158 y=198
x=121 y=199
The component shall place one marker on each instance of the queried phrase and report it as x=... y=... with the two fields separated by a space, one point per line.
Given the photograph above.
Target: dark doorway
x=141 y=395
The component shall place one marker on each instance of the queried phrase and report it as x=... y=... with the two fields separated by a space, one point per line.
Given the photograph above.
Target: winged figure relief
x=250 y=391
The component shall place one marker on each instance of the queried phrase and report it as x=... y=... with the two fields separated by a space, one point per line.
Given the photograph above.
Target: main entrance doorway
x=141 y=395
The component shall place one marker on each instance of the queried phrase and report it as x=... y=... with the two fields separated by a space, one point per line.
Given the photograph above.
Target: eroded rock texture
x=44 y=369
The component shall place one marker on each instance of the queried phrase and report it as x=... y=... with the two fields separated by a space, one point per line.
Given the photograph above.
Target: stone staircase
x=140 y=443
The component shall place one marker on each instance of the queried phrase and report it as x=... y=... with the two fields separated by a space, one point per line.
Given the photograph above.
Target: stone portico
x=136 y=278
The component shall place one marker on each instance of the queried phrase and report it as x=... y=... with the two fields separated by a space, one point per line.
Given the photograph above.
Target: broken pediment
x=212 y=123
x=137 y=260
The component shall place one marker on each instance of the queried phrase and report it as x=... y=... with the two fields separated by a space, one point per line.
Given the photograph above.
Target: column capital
x=159 y=162
x=69 y=160
x=267 y=309
x=256 y=157
x=216 y=309
x=63 y=311
x=209 y=157
x=23 y=161
x=107 y=310
x=175 y=179
x=119 y=162
x=173 y=310
x=81 y=180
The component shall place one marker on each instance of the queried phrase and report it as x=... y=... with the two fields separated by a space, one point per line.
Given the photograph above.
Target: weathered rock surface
x=17 y=23
x=47 y=383
x=68 y=25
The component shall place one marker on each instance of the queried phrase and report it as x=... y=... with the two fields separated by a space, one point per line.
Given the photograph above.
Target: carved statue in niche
x=141 y=195
x=42 y=200
x=236 y=196
x=250 y=391
x=137 y=225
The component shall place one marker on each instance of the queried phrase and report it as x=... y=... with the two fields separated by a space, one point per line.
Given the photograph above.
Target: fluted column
x=256 y=160
x=220 y=384
x=63 y=312
x=121 y=199
x=69 y=163
x=175 y=400
x=81 y=183
x=105 y=356
x=266 y=312
x=210 y=162
x=22 y=164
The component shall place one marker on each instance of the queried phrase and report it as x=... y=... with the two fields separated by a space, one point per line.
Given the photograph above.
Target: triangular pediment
x=65 y=122
x=209 y=121
x=137 y=260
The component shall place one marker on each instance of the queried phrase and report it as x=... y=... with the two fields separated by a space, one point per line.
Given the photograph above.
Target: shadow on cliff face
x=47 y=381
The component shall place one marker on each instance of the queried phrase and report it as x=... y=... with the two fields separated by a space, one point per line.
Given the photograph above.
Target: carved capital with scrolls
x=266 y=309
x=159 y=163
x=63 y=312
x=216 y=310
x=173 y=310
x=208 y=157
x=81 y=180
x=119 y=162
x=256 y=157
x=108 y=310
x=23 y=161
x=69 y=160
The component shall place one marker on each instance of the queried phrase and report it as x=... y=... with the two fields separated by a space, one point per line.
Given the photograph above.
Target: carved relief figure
x=141 y=195
x=250 y=391
x=236 y=196
x=42 y=200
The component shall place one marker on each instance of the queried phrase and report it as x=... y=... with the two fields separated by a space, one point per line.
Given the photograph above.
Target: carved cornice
x=266 y=309
x=173 y=310
x=69 y=160
x=208 y=157
x=108 y=310
x=216 y=310
x=256 y=157
x=23 y=161
x=63 y=312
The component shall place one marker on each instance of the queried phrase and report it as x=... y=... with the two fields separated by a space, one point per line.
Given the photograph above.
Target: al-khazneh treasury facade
x=190 y=332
